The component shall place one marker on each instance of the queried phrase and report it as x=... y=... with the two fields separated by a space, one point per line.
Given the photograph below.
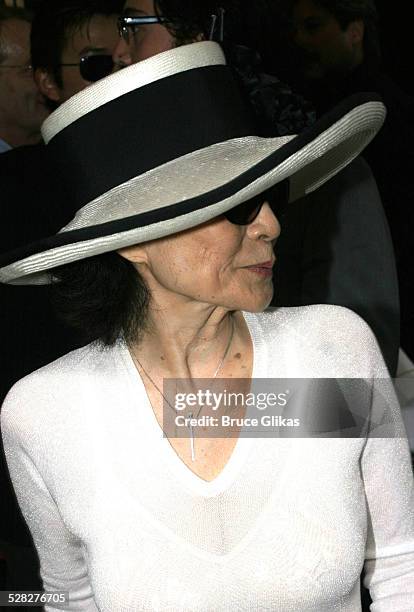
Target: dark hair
x=255 y=27
x=55 y=23
x=102 y=297
x=7 y=13
x=347 y=11
x=187 y=19
x=278 y=111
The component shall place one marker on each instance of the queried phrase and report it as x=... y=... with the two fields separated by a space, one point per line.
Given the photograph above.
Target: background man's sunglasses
x=245 y=213
x=127 y=25
x=94 y=67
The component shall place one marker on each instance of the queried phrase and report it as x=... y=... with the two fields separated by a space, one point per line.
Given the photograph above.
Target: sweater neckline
x=170 y=459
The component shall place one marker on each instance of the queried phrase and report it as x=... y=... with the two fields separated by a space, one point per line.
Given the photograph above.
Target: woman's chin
x=257 y=303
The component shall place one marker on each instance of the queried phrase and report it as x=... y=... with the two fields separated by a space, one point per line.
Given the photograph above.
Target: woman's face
x=217 y=263
x=148 y=40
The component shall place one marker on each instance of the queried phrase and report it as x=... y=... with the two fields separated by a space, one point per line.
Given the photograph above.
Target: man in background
x=72 y=44
x=339 y=46
x=22 y=107
x=82 y=31
x=336 y=37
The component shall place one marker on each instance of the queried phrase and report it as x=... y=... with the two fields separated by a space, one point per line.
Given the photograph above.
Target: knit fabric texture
x=121 y=523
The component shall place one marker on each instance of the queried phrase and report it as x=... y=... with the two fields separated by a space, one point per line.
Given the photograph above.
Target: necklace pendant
x=192 y=439
x=192 y=448
x=218 y=369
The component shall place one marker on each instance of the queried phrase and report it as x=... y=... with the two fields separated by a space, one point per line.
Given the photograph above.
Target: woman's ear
x=136 y=254
x=46 y=84
x=356 y=31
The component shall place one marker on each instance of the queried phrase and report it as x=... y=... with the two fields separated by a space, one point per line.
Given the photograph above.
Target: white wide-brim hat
x=168 y=144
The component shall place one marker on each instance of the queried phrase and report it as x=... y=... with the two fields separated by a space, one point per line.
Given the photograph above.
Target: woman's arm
x=346 y=348
x=62 y=562
x=389 y=486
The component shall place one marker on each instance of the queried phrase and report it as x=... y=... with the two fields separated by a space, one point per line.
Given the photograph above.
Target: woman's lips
x=264 y=269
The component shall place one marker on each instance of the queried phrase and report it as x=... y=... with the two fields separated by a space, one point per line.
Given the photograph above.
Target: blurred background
x=396 y=33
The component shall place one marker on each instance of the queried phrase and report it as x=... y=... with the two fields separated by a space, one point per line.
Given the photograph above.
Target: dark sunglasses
x=245 y=213
x=131 y=24
x=94 y=67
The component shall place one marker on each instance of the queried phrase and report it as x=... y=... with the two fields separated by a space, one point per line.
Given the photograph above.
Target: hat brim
x=197 y=187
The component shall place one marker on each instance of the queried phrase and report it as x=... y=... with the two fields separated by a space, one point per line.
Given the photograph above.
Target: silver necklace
x=217 y=370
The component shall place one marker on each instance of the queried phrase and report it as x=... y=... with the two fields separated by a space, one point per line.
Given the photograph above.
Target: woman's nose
x=266 y=225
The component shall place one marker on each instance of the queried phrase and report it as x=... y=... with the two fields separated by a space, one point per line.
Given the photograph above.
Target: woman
x=165 y=258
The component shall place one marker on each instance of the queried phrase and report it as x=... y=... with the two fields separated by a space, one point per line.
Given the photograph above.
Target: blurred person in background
x=22 y=107
x=339 y=50
x=88 y=31
x=72 y=44
x=336 y=37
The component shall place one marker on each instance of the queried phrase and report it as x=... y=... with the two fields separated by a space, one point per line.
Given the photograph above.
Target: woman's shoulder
x=42 y=393
x=327 y=317
x=73 y=364
x=324 y=339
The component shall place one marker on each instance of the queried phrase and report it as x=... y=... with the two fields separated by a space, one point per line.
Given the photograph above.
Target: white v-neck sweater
x=123 y=525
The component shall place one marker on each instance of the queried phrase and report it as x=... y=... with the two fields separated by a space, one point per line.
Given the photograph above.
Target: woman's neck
x=187 y=342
